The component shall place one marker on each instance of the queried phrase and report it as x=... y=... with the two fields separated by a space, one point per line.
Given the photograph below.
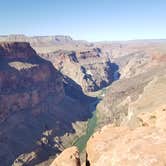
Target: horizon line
x=74 y=39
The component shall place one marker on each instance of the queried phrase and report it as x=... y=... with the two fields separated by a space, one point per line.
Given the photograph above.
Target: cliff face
x=25 y=79
x=37 y=117
x=89 y=68
x=14 y=50
x=129 y=97
x=140 y=64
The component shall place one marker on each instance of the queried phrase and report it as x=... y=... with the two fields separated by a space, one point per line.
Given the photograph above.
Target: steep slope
x=119 y=103
x=134 y=57
x=137 y=70
x=141 y=117
x=37 y=117
x=26 y=79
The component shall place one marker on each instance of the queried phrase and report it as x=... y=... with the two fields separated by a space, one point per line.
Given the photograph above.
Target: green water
x=92 y=122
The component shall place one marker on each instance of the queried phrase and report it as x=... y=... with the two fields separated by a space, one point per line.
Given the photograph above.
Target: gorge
x=57 y=93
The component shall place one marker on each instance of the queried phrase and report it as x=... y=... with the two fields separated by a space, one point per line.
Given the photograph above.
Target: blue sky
x=93 y=20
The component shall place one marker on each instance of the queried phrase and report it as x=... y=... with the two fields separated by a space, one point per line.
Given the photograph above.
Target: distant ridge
x=66 y=38
x=22 y=37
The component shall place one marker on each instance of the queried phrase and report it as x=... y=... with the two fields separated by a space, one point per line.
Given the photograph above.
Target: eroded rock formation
x=89 y=68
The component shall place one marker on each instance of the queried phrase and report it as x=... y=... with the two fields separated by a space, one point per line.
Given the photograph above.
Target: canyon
x=68 y=102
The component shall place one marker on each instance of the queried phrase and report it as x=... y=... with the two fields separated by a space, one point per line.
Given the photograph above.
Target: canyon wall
x=90 y=68
x=26 y=80
x=37 y=117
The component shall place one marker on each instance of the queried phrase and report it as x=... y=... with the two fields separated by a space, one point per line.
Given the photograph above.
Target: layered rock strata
x=37 y=117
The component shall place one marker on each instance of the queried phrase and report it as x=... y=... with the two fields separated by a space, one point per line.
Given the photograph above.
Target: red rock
x=119 y=146
x=69 y=157
x=13 y=50
x=25 y=79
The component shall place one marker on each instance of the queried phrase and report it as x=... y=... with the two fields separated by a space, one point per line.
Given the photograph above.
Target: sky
x=92 y=20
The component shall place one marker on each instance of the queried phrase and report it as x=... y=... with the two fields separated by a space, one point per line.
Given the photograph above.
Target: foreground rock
x=69 y=157
x=155 y=118
x=37 y=117
x=121 y=146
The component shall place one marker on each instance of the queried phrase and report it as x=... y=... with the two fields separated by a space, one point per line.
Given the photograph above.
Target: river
x=92 y=122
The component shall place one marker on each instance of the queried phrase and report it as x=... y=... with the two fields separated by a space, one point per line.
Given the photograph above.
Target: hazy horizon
x=93 y=21
x=141 y=39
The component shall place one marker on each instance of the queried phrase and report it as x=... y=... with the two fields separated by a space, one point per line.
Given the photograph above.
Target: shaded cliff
x=37 y=117
x=26 y=79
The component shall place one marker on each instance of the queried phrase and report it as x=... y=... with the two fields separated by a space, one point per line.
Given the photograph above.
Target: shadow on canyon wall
x=24 y=132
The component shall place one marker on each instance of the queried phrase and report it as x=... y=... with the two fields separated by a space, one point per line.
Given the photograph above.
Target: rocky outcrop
x=69 y=157
x=14 y=50
x=137 y=106
x=90 y=69
x=122 y=146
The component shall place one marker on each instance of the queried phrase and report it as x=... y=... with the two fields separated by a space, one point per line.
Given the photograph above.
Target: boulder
x=69 y=157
